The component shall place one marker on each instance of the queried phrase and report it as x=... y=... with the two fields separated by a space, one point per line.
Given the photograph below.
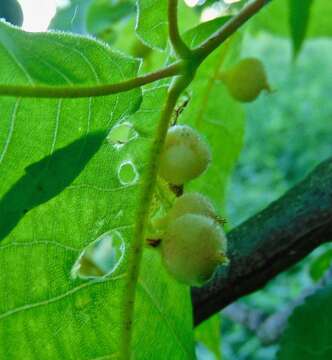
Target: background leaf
x=152 y=23
x=209 y=334
x=215 y=114
x=201 y=32
x=71 y=18
x=299 y=14
x=102 y=14
x=308 y=335
x=275 y=18
x=320 y=265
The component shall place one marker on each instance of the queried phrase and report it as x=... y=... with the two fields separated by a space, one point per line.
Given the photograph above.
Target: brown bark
x=270 y=242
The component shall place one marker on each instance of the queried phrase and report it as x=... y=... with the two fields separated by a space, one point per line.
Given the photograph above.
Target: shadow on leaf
x=46 y=179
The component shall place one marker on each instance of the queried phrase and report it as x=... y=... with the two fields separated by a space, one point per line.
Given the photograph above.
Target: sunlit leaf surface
x=64 y=184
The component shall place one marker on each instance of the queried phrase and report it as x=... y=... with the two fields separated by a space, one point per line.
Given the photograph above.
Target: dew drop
x=101 y=258
x=121 y=134
x=127 y=173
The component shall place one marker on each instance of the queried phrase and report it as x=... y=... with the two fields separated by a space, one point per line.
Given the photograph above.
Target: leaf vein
x=11 y=130
x=27 y=307
x=162 y=315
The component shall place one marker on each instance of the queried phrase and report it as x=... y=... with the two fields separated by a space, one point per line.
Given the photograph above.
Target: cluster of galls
x=193 y=242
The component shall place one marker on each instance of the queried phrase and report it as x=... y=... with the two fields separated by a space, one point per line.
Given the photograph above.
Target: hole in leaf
x=121 y=134
x=127 y=173
x=101 y=258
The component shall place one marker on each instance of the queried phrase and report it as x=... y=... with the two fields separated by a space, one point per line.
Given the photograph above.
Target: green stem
x=144 y=205
x=46 y=91
x=228 y=29
x=180 y=83
x=200 y=53
x=179 y=46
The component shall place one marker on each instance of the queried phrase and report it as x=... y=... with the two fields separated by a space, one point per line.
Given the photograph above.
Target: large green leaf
x=163 y=324
x=63 y=186
x=308 y=335
x=299 y=20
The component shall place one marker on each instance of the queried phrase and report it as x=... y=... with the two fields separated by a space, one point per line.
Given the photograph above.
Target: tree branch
x=46 y=91
x=229 y=28
x=178 y=44
x=270 y=242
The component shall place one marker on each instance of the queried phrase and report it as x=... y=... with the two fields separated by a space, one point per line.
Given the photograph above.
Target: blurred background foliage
x=288 y=132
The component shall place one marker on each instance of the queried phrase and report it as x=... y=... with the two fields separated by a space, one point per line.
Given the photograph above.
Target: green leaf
x=152 y=22
x=320 y=20
x=102 y=14
x=276 y=18
x=55 y=160
x=299 y=19
x=71 y=18
x=198 y=34
x=320 y=265
x=187 y=17
x=45 y=179
x=164 y=327
x=272 y=18
x=216 y=115
x=209 y=334
x=308 y=335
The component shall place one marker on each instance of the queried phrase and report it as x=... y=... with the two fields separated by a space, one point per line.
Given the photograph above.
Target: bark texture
x=270 y=242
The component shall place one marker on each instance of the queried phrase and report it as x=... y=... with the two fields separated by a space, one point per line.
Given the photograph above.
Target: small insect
x=179 y=109
x=176 y=189
x=220 y=220
x=153 y=242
